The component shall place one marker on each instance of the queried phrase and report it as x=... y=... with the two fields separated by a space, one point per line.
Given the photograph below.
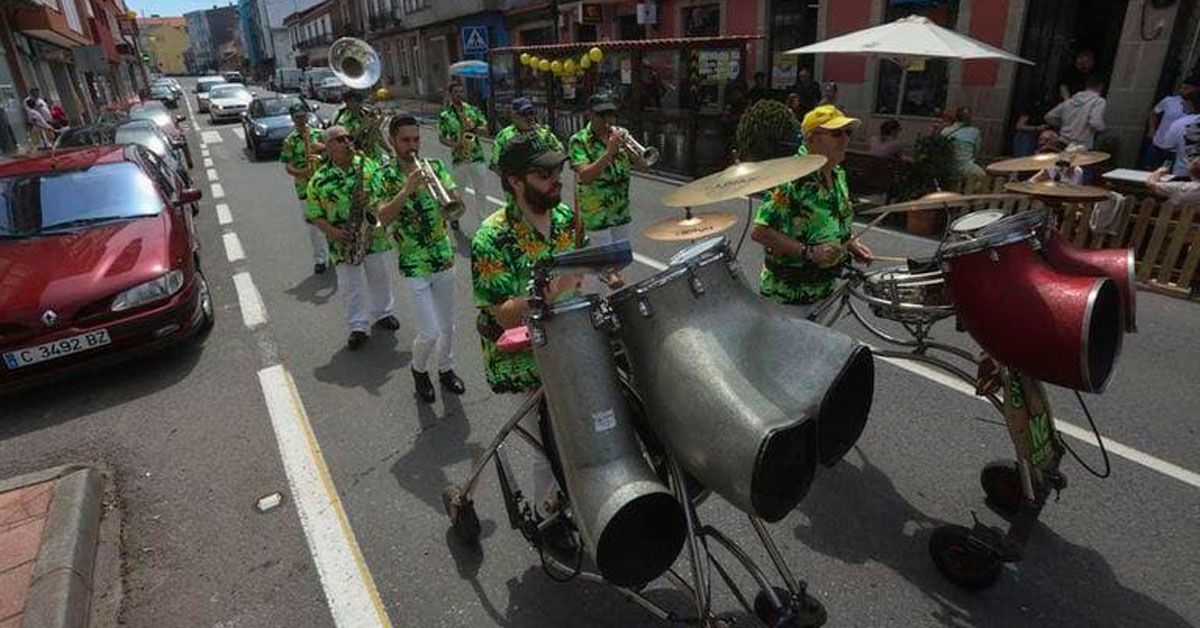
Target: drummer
x=804 y=225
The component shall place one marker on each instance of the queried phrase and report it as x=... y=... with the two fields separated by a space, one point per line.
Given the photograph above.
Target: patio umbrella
x=469 y=69
x=906 y=40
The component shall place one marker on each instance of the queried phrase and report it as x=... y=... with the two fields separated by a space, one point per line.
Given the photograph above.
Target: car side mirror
x=187 y=196
x=181 y=118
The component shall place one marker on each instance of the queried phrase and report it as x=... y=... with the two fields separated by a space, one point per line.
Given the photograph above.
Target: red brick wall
x=845 y=16
x=988 y=21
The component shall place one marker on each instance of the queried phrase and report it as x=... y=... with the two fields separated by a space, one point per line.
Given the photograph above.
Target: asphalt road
x=192 y=439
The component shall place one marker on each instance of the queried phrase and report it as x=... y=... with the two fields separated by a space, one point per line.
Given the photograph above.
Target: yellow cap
x=827 y=117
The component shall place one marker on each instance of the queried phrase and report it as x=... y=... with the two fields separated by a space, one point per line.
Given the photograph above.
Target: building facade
x=311 y=31
x=211 y=32
x=164 y=39
x=251 y=35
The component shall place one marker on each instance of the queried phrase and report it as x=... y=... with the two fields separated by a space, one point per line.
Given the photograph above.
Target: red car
x=99 y=261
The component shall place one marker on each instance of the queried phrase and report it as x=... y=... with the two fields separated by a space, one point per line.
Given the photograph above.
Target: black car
x=165 y=95
x=267 y=122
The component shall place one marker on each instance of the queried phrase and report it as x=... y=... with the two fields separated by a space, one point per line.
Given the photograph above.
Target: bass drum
x=747 y=397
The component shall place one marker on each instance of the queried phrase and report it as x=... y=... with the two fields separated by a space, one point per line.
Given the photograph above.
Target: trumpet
x=452 y=208
x=648 y=154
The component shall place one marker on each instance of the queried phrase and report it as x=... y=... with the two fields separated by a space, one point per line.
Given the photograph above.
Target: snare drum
x=966 y=226
x=1032 y=222
x=901 y=295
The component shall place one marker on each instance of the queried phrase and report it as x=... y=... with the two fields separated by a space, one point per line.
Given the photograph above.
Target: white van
x=287 y=80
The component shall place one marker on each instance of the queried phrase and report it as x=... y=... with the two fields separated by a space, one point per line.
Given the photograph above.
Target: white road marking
x=254 y=313
x=495 y=201
x=208 y=162
x=240 y=132
x=211 y=137
x=218 y=191
x=470 y=190
x=233 y=247
x=224 y=216
x=1069 y=429
x=204 y=152
x=188 y=101
x=349 y=588
x=212 y=174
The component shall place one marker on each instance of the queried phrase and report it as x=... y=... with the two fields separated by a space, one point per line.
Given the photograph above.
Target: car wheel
x=254 y=152
x=208 y=320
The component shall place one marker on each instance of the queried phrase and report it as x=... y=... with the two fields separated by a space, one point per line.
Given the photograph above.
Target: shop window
x=660 y=77
x=701 y=20
x=925 y=91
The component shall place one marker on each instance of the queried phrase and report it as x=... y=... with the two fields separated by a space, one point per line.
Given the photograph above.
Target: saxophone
x=465 y=137
x=362 y=221
x=309 y=162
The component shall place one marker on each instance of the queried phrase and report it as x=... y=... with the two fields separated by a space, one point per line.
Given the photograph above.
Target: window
x=405 y=71
x=701 y=20
x=414 y=5
x=925 y=89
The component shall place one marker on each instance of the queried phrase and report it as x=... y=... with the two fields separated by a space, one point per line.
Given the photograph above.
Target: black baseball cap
x=526 y=152
x=522 y=104
x=354 y=94
x=601 y=103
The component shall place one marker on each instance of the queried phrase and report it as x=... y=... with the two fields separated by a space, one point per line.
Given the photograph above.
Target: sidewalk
x=23 y=514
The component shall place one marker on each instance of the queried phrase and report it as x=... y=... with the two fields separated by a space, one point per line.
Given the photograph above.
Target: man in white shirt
x=1184 y=137
x=41 y=131
x=1081 y=116
x=1165 y=113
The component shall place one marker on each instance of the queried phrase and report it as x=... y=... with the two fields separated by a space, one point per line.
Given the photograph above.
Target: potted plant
x=931 y=170
x=767 y=130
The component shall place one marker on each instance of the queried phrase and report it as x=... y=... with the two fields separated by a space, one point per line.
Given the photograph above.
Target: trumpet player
x=300 y=153
x=460 y=125
x=523 y=121
x=416 y=221
x=337 y=192
x=601 y=162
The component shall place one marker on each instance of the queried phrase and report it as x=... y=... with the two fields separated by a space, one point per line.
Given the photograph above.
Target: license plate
x=57 y=349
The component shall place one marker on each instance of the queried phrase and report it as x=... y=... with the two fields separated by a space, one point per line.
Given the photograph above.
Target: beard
x=542 y=202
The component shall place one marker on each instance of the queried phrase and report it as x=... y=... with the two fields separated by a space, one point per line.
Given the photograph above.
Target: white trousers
x=320 y=246
x=472 y=175
x=366 y=289
x=433 y=306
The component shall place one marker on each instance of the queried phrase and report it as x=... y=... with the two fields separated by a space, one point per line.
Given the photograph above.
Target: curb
x=61 y=586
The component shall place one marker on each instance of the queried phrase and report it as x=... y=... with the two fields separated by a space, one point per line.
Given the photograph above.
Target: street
x=275 y=402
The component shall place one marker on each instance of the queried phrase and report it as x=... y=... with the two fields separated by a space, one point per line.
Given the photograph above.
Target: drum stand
x=1016 y=490
x=789 y=606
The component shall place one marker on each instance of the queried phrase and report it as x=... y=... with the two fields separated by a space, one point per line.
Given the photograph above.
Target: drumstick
x=888 y=258
x=867 y=228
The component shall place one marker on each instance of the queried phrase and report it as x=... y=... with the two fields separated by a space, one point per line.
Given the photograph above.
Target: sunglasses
x=546 y=173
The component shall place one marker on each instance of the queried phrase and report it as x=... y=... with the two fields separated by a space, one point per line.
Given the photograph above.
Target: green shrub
x=932 y=168
x=765 y=130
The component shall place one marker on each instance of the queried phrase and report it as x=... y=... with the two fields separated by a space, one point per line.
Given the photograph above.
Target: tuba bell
x=354 y=62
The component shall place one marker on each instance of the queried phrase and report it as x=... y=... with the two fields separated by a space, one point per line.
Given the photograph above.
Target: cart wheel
x=463 y=519
x=806 y=612
x=1001 y=481
x=963 y=560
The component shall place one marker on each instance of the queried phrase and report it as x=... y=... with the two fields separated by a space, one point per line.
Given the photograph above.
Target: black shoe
x=558 y=540
x=319 y=268
x=357 y=339
x=423 y=386
x=452 y=382
x=454 y=225
x=390 y=323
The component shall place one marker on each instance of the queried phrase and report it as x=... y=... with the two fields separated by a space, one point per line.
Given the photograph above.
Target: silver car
x=203 y=85
x=228 y=102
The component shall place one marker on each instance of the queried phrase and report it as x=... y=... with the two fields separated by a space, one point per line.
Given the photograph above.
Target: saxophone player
x=523 y=121
x=301 y=150
x=460 y=125
x=417 y=223
x=338 y=192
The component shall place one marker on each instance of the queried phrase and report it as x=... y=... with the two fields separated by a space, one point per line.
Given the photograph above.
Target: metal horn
x=354 y=62
x=648 y=154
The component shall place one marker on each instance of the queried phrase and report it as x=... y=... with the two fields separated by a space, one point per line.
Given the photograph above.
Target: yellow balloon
x=595 y=54
x=524 y=58
x=569 y=66
x=556 y=67
x=585 y=62
x=544 y=65
x=382 y=94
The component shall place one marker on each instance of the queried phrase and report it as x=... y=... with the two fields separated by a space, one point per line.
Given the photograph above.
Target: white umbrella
x=469 y=69
x=909 y=39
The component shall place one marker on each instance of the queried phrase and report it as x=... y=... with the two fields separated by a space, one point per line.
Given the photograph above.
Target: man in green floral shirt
x=336 y=188
x=296 y=161
x=418 y=229
x=523 y=121
x=805 y=224
x=460 y=127
x=353 y=117
x=602 y=173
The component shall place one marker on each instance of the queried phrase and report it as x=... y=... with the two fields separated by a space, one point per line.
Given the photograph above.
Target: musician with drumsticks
x=460 y=127
x=805 y=224
x=301 y=154
x=340 y=205
x=410 y=207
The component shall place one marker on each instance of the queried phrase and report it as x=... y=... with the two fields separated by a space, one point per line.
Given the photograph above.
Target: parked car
x=171 y=83
x=268 y=121
x=228 y=101
x=108 y=276
x=331 y=89
x=203 y=85
x=233 y=77
x=142 y=132
x=164 y=95
x=156 y=112
x=312 y=79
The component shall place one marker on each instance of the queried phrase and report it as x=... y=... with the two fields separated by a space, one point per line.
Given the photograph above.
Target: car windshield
x=229 y=91
x=204 y=86
x=49 y=202
x=149 y=136
x=160 y=90
x=278 y=106
x=159 y=116
x=86 y=136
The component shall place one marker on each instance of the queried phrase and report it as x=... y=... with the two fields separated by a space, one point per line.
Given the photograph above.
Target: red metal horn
x=1061 y=328
x=1116 y=264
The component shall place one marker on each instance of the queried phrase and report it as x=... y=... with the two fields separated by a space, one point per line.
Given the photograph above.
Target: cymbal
x=691 y=227
x=939 y=200
x=1058 y=190
x=742 y=179
x=1048 y=160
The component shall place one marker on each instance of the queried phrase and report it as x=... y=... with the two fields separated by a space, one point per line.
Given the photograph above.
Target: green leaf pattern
x=419 y=232
x=329 y=196
x=292 y=153
x=449 y=126
x=604 y=202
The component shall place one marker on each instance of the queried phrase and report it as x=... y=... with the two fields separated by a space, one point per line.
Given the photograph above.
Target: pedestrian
x=1030 y=123
x=460 y=127
x=1081 y=116
x=760 y=89
x=58 y=116
x=1183 y=137
x=524 y=120
x=417 y=225
x=966 y=138
x=34 y=101
x=337 y=191
x=888 y=142
x=1164 y=114
x=1186 y=192
x=804 y=225
x=301 y=153
x=808 y=90
x=1075 y=77
x=829 y=94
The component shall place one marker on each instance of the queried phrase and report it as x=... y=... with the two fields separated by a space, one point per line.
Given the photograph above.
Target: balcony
x=384 y=23
x=313 y=42
x=44 y=23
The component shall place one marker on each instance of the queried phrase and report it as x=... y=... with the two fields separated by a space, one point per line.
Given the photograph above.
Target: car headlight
x=259 y=129
x=149 y=292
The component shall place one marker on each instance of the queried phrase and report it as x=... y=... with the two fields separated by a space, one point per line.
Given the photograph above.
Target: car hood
x=69 y=271
x=230 y=102
x=275 y=122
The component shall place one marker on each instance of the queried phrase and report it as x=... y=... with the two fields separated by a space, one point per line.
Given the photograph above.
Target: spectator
x=1184 y=137
x=1074 y=79
x=1048 y=141
x=1081 y=116
x=1030 y=123
x=1164 y=114
x=35 y=102
x=1177 y=191
x=829 y=94
x=58 y=116
x=795 y=103
x=967 y=139
x=888 y=142
x=808 y=90
x=41 y=131
x=760 y=89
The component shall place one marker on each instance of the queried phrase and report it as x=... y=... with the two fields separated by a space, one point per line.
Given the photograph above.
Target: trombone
x=648 y=154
